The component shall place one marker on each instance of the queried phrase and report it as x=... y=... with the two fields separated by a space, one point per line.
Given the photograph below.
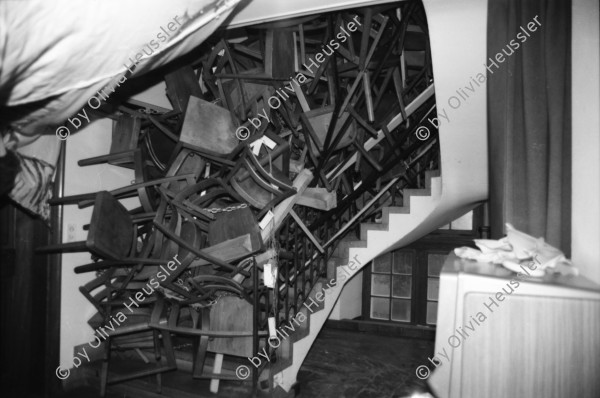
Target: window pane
x=401 y=286
x=432 y=312
x=463 y=223
x=382 y=263
x=433 y=288
x=380 y=308
x=380 y=285
x=401 y=310
x=435 y=263
x=403 y=262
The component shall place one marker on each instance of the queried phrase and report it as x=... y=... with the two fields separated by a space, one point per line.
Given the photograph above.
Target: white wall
x=349 y=305
x=585 y=221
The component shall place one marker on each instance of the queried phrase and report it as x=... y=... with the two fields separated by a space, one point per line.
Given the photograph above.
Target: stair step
x=429 y=174
x=416 y=192
x=393 y=210
x=366 y=227
x=343 y=248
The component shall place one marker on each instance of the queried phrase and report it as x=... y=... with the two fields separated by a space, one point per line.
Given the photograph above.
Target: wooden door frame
x=53 y=385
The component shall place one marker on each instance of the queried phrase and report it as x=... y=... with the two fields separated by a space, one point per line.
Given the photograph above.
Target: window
x=434 y=266
x=403 y=286
x=392 y=287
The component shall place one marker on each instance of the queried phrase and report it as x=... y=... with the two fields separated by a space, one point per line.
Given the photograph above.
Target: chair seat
x=208 y=128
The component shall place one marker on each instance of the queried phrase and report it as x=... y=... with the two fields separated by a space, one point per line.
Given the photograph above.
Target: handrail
x=362 y=211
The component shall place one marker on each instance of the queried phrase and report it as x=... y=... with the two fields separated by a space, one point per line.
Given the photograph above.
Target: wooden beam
x=306 y=231
x=282 y=210
x=318 y=198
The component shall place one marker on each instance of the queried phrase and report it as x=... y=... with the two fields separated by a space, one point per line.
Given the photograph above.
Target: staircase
x=458 y=186
x=375 y=238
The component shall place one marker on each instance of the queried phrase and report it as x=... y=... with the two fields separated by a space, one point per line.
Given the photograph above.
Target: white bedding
x=62 y=52
x=59 y=58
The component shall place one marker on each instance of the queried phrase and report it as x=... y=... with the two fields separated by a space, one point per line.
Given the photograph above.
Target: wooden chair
x=263 y=187
x=229 y=237
x=133 y=130
x=145 y=183
x=208 y=129
x=126 y=132
x=113 y=235
x=124 y=330
x=181 y=84
x=226 y=328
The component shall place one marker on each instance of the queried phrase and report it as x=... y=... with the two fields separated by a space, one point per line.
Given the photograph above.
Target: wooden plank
x=282 y=210
x=368 y=97
x=300 y=96
x=306 y=231
x=318 y=198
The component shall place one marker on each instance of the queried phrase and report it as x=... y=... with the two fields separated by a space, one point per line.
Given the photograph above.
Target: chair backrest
x=232 y=224
x=320 y=119
x=232 y=314
x=265 y=187
x=111 y=228
x=208 y=128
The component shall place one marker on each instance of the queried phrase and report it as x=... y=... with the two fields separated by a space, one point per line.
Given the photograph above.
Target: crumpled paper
x=518 y=249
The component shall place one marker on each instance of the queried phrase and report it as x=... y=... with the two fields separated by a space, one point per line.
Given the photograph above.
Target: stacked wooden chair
x=213 y=200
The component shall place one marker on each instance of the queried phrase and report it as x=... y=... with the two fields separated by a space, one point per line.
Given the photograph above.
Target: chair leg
x=159 y=383
x=157 y=357
x=104 y=371
x=200 y=355
x=214 y=383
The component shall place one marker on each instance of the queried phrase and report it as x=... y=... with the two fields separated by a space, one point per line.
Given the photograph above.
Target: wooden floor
x=341 y=364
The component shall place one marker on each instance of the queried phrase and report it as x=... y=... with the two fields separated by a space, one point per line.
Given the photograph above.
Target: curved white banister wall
x=251 y=12
x=457 y=33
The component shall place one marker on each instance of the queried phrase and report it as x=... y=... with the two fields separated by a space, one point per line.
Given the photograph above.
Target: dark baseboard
x=78 y=378
x=383 y=328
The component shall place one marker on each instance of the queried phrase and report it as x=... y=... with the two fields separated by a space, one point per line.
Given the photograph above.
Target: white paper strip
x=256 y=147
x=272 y=329
x=268 y=276
x=268 y=142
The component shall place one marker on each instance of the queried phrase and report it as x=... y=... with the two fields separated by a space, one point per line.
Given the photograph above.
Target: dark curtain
x=529 y=119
